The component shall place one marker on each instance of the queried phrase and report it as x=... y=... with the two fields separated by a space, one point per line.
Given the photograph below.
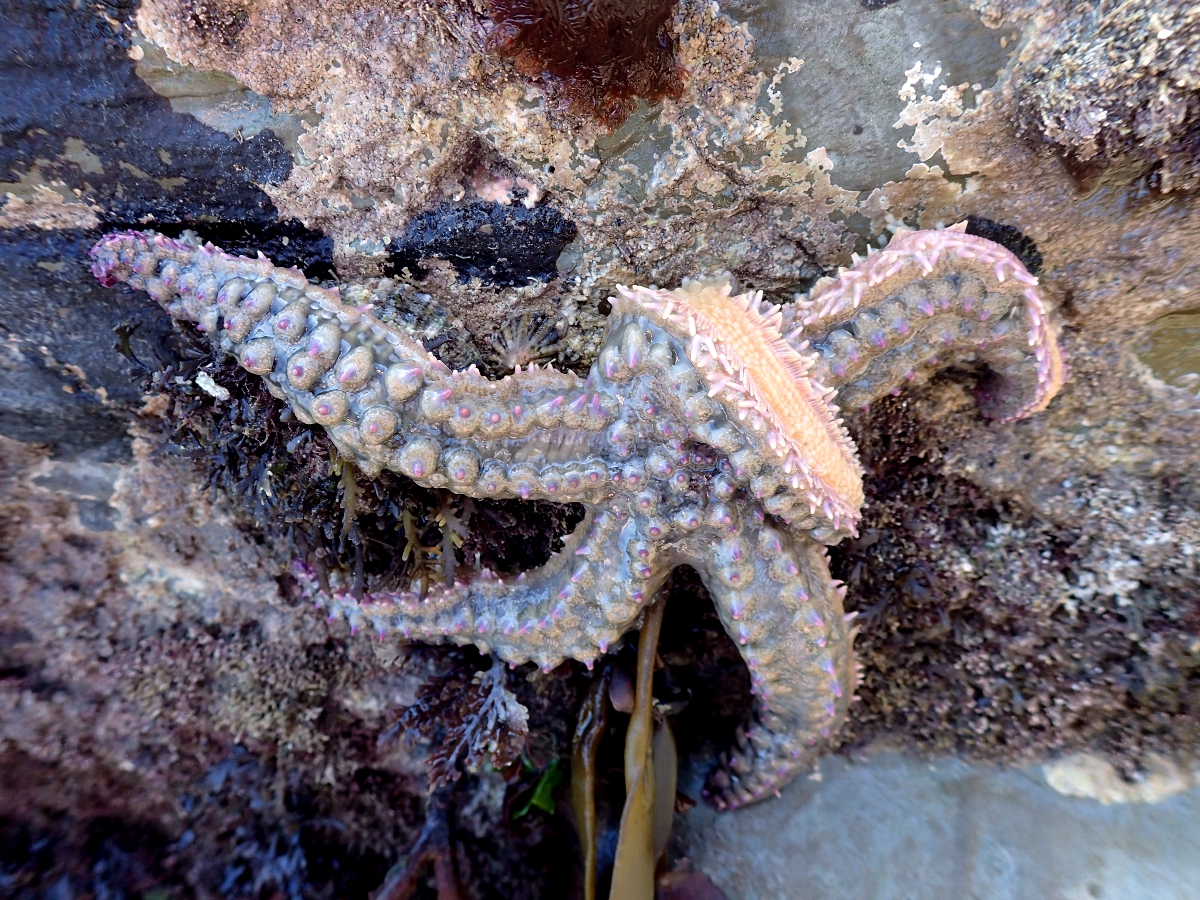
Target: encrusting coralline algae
x=704 y=435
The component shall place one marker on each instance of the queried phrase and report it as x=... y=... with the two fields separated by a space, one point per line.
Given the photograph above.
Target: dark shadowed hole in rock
x=499 y=244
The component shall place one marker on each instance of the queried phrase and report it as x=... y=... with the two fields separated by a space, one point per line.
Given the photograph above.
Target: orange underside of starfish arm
x=788 y=399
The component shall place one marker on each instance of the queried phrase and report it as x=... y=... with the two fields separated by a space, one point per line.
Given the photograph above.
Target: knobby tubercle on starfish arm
x=704 y=435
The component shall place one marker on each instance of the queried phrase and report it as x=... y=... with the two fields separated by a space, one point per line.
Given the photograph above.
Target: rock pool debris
x=704 y=414
x=589 y=732
x=434 y=847
x=1095 y=778
x=205 y=382
x=649 y=777
x=469 y=718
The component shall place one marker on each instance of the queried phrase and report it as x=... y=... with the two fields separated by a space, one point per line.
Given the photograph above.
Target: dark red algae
x=601 y=55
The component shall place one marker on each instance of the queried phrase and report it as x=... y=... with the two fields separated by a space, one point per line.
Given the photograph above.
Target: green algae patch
x=1172 y=347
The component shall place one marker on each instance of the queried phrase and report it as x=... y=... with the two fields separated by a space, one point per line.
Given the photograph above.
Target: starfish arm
x=775 y=597
x=930 y=299
x=384 y=400
x=930 y=324
x=573 y=607
x=736 y=386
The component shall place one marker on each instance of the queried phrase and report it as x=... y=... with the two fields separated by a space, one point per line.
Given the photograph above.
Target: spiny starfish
x=704 y=435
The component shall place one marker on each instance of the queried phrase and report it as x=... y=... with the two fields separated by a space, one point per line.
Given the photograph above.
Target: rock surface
x=944 y=829
x=1024 y=590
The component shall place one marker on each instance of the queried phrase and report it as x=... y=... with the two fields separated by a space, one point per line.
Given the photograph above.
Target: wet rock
x=940 y=828
x=88 y=146
x=1022 y=589
x=62 y=381
x=1107 y=86
x=78 y=117
x=845 y=96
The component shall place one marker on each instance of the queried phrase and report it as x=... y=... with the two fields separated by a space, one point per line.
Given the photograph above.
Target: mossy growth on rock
x=979 y=635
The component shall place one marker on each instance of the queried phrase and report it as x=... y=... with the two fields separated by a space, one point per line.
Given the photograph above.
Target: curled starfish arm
x=929 y=299
x=929 y=325
x=573 y=607
x=384 y=400
x=774 y=595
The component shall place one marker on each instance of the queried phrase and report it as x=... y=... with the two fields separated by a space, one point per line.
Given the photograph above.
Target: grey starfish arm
x=929 y=299
x=573 y=607
x=927 y=325
x=775 y=597
x=385 y=401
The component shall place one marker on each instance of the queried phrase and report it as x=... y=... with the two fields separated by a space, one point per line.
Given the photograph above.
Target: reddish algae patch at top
x=603 y=55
